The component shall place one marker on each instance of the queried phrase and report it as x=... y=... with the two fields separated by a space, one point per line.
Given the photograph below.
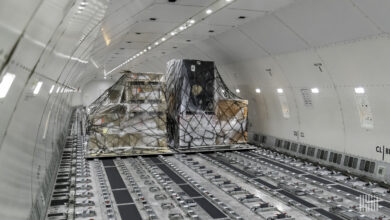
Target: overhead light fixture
x=51 y=89
x=94 y=63
x=5 y=84
x=37 y=88
x=315 y=90
x=280 y=90
x=359 y=90
x=237 y=91
x=258 y=90
x=106 y=38
x=200 y=16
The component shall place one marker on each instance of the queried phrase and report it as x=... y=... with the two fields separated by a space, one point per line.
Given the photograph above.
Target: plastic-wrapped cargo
x=129 y=118
x=202 y=111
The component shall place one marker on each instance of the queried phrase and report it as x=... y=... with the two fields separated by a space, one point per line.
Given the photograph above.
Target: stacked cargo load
x=129 y=118
x=202 y=111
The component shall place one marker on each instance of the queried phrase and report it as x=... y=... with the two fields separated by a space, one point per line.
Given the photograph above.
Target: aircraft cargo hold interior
x=194 y=109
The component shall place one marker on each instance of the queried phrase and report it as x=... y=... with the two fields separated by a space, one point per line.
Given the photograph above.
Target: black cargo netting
x=202 y=111
x=130 y=117
x=143 y=114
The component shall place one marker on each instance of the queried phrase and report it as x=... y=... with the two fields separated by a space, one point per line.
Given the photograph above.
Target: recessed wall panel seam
x=327 y=72
x=283 y=73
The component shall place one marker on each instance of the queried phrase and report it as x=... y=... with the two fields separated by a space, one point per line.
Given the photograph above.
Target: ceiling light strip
x=216 y=6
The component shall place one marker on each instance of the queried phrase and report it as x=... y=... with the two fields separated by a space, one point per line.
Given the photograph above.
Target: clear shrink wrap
x=129 y=118
x=202 y=111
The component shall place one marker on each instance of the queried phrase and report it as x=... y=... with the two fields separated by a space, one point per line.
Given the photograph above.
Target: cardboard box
x=228 y=109
x=232 y=117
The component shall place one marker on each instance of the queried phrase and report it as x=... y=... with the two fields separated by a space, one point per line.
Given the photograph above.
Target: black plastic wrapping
x=202 y=111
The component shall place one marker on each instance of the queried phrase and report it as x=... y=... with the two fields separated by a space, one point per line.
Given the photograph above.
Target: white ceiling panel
x=239 y=46
x=164 y=58
x=143 y=37
x=159 y=52
x=205 y=27
x=168 y=12
x=191 y=52
x=131 y=7
x=169 y=45
x=230 y=17
x=260 y=5
x=113 y=22
x=188 y=38
x=378 y=11
x=212 y=49
x=153 y=27
x=189 y=2
x=119 y=29
x=114 y=6
x=137 y=45
x=273 y=36
x=312 y=20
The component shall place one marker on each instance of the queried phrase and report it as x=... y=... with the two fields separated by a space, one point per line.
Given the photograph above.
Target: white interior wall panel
x=333 y=120
x=214 y=50
x=258 y=77
x=239 y=46
x=300 y=70
x=359 y=63
x=192 y=52
x=273 y=35
x=346 y=37
x=93 y=89
x=377 y=11
x=362 y=63
x=348 y=43
x=324 y=22
x=45 y=49
x=17 y=18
